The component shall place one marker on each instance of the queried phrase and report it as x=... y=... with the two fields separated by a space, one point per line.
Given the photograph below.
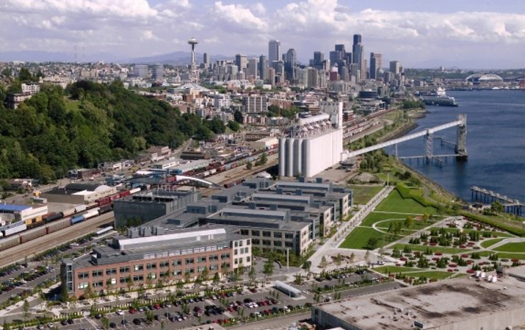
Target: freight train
x=19 y=233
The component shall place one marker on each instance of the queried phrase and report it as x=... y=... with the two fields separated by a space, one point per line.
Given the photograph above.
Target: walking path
x=347 y=227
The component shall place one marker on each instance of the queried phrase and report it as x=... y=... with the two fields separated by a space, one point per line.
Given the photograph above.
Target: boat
x=439 y=97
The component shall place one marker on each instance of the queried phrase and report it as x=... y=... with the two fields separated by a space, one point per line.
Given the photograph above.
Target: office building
x=312 y=144
x=376 y=63
x=313 y=77
x=274 y=51
x=148 y=256
x=141 y=71
x=318 y=60
x=206 y=60
x=358 y=56
x=395 y=67
x=241 y=61
x=271 y=76
x=263 y=68
x=158 y=72
x=252 y=68
x=290 y=63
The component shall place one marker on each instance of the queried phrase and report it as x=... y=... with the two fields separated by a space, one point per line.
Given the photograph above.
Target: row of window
x=240 y=243
x=241 y=251
x=153 y=266
x=267 y=242
x=257 y=233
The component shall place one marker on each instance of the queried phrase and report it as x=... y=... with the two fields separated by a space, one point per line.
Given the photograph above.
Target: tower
x=274 y=51
x=194 y=76
x=357 y=56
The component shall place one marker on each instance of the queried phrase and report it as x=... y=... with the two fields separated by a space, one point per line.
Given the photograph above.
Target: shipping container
x=80 y=208
x=57 y=225
x=207 y=173
x=103 y=201
x=213 y=171
x=9 y=242
x=113 y=197
x=68 y=212
x=14 y=228
x=32 y=234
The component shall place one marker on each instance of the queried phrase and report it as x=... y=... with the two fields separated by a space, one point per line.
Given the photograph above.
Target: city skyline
x=419 y=35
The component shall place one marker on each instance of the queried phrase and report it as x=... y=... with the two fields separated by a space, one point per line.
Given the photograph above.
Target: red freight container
x=124 y=193
x=103 y=201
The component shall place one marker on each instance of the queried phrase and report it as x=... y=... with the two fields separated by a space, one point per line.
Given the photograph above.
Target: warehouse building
x=14 y=213
x=79 y=193
x=143 y=207
x=312 y=144
x=463 y=303
x=151 y=255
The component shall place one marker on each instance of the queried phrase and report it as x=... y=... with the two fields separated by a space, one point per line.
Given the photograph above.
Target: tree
x=268 y=268
x=249 y=166
x=425 y=217
x=264 y=159
x=372 y=243
x=234 y=126
x=367 y=256
x=238 y=117
x=6 y=326
x=409 y=222
x=105 y=322
x=352 y=257
x=252 y=274
x=25 y=309
x=496 y=207
x=323 y=264
x=338 y=259
x=205 y=274
x=216 y=278
x=88 y=292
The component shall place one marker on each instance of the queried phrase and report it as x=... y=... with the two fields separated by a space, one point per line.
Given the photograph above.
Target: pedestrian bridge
x=460 y=146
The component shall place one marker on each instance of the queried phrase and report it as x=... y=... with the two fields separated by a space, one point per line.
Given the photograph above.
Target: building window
x=138 y=268
x=248 y=242
x=177 y=273
x=240 y=243
x=267 y=234
x=288 y=236
x=248 y=259
x=111 y=271
x=214 y=267
x=164 y=264
x=152 y=276
x=96 y=273
x=124 y=280
x=112 y=281
x=189 y=261
x=138 y=278
x=256 y=233
x=235 y=252
x=278 y=243
x=277 y=234
x=213 y=257
x=245 y=232
x=82 y=286
x=177 y=262
x=246 y=250
x=124 y=270
x=83 y=275
x=236 y=244
x=201 y=259
x=266 y=242
x=288 y=244
x=98 y=284
x=200 y=269
x=225 y=256
x=151 y=266
x=256 y=242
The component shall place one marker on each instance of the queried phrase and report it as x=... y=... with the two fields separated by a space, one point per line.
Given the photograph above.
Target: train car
x=91 y=205
x=124 y=193
x=213 y=171
x=104 y=230
x=57 y=225
x=114 y=197
x=221 y=169
x=105 y=209
x=136 y=190
x=80 y=208
x=14 y=228
x=53 y=217
x=9 y=242
x=68 y=212
x=32 y=234
x=77 y=219
x=207 y=173
x=90 y=214
x=103 y=201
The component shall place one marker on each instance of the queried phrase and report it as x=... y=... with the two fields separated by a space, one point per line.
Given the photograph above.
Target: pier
x=485 y=196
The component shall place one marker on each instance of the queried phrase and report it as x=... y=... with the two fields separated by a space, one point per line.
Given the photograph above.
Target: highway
x=52 y=240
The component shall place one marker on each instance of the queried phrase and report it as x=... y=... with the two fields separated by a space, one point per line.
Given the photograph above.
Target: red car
x=132 y=311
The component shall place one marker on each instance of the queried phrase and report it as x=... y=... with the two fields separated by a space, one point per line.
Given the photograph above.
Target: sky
x=418 y=33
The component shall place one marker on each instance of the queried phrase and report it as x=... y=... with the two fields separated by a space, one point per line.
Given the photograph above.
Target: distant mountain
x=468 y=64
x=43 y=56
x=176 y=58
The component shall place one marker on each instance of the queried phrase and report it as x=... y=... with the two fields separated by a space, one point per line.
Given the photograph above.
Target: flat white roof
x=127 y=243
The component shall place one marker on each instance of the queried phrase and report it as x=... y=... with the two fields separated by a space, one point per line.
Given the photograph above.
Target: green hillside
x=87 y=123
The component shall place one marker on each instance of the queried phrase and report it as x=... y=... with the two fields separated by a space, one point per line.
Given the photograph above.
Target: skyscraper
x=376 y=62
x=291 y=61
x=241 y=61
x=318 y=59
x=141 y=71
x=206 y=60
x=395 y=67
x=357 y=56
x=274 y=50
x=263 y=67
x=194 y=74
x=252 y=68
x=158 y=72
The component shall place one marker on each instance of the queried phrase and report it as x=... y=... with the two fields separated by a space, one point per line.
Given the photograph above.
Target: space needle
x=193 y=73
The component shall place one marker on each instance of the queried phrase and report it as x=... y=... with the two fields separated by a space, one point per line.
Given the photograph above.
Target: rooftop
x=13 y=208
x=433 y=305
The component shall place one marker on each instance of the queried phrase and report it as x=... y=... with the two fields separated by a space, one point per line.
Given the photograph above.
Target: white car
x=119 y=312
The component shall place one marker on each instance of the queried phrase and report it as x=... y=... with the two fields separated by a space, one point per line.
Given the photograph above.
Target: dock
x=485 y=196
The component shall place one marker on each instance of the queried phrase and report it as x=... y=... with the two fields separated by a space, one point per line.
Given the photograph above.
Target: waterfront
x=495 y=143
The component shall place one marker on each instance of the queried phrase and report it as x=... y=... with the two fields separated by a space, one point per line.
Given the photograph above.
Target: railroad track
x=46 y=242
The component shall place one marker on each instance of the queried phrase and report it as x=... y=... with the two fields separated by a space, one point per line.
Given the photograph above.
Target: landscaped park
x=421 y=240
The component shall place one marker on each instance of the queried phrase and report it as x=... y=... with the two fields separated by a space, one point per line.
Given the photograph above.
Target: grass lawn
x=72 y=105
x=416 y=226
x=395 y=203
x=490 y=242
x=431 y=274
x=447 y=250
x=358 y=238
x=519 y=256
x=375 y=217
x=395 y=269
x=363 y=194
x=512 y=247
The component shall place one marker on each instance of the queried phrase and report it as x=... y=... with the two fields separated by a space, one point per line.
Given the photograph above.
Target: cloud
x=241 y=26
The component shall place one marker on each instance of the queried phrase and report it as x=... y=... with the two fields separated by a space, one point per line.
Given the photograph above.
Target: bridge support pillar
x=461 y=144
x=429 y=146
